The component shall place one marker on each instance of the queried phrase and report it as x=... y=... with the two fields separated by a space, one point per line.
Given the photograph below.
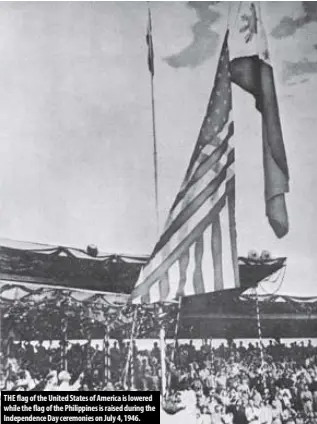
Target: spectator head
x=217 y=409
x=64 y=376
x=109 y=387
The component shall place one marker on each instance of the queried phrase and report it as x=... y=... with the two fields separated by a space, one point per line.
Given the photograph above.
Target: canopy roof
x=75 y=268
x=232 y=314
x=68 y=267
x=41 y=280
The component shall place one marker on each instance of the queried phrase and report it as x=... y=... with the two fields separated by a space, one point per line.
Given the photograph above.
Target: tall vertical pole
x=89 y=345
x=64 y=328
x=163 y=361
x=130 y=351
x=179 y=306
x=155 y=157
x=173 y=353
x=106 y=348
x=149 y=41
x=258 y=318
x=132 y=370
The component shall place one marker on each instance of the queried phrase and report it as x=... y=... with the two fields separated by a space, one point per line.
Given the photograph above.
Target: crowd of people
x=231 y=384
x=249 y=385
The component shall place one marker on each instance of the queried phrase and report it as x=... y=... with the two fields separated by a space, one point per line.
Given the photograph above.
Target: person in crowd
x=307 y=400
x=51 y=381
x=155 y=353
x=231 y=384
x=64 y=382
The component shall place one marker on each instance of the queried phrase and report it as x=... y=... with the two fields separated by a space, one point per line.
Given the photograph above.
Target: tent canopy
x=68 y=267
x=231 y=314
x=31 y=274
x=76 y=268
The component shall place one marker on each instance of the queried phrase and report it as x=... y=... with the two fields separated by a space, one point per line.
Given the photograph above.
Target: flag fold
x=254 y=74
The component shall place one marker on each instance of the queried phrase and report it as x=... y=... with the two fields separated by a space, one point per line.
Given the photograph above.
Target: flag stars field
x=72 y=164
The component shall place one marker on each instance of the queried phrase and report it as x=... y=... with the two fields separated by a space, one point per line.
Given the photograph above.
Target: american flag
x=197 y=251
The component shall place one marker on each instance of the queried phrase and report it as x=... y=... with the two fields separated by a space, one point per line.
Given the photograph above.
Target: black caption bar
x=65 y=407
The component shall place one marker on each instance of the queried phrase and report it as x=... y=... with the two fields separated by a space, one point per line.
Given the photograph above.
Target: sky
x=76 y=151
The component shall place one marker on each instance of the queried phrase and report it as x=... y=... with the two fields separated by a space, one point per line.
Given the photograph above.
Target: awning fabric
x=68 y=267
x=41 y=284
x=232 y=314
x=116 y=273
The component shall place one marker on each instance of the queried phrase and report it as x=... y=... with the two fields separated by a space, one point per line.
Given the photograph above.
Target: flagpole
x=160 y=312
x=155 y=156
x=130 y=351
x=149 y=40
x=163 y=361
x=151 y=69
x=107 y=364
x=175 y=345
x=259 y=328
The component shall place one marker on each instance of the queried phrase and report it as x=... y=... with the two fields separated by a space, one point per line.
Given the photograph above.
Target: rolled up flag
x=254 y=74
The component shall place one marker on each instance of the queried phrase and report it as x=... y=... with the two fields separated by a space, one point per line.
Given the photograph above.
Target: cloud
x=294 y=69
x=204 y=41
x=288 y=26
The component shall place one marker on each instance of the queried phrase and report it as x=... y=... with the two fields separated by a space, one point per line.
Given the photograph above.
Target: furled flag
x=254 y=74
x=197 y=251
x=149 y=42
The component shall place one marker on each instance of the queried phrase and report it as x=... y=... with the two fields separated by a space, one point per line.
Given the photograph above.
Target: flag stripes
x=192 y=226
x=216 y=248
x=196 y=252
x=198 y=273
x=188 y=216
x=164 y=286
x=183 y=265
x=232 y=230
x=210 y=167
x=181 y=275
x=182 y=271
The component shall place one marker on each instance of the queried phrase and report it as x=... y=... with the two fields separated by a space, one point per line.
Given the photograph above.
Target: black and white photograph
x=158 y=205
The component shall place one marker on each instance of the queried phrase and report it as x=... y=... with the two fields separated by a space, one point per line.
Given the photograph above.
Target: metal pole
x=176 y=328
x=259 y=324
x=64 y=342
x=64 y=329
x=155 y=156
x=175 y=340
x=163 y=362
x=106 y=348
x=149 y=40
x=130 y=352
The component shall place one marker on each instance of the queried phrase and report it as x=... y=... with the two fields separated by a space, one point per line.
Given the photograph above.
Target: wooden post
x=106 y=349
x=163 y=361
